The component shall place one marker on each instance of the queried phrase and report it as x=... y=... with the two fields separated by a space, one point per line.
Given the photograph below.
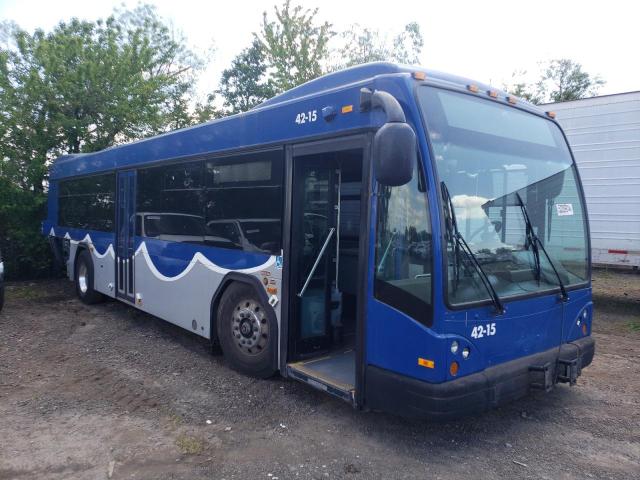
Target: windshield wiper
x=461 y=244
x=535 y=242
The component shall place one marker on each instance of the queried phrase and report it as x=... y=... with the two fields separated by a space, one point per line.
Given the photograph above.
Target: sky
x=485 y=41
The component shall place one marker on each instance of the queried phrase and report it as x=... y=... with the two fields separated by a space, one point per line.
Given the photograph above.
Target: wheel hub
x=249 y=327
x=246 y=328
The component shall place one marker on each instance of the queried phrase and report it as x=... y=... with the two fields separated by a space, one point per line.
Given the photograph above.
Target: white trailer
x=604 y=134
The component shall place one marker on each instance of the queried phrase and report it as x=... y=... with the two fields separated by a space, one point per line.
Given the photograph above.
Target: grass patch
x=30 y=292
x=634 y=325
x=174 y=419
x=190 y=445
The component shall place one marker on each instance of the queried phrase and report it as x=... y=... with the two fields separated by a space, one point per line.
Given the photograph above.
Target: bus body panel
x=396 y=342
x=268 y=126
x=176 y=281
x=100 y=245
x=185 y=298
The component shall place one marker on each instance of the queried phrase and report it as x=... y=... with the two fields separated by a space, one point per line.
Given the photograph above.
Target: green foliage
x=564 y=80
x=561 y=80
x=245 y=84
x=25 y=251
x=522 y=89
x=286 y=52
x=362 y=45
x=295 y=45
x=82 y=87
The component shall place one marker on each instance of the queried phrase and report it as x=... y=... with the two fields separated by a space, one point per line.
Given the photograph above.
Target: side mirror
x=394 y=153
x=394 y=145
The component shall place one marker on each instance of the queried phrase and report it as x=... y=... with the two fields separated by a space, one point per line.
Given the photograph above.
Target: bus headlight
x=465 y=352
x=454 y=347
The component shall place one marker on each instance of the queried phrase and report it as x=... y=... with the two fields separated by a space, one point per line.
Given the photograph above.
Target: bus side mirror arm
x=394 y=145
x=385 y=102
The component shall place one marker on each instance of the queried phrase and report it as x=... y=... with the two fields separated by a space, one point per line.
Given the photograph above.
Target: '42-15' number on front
x=487 y=330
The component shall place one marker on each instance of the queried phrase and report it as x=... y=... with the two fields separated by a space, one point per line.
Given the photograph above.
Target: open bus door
x=326 y=255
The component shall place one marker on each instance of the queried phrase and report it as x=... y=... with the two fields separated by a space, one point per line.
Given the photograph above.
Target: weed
x=190 y=445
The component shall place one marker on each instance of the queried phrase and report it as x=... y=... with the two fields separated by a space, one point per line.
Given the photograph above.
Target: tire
x=84 y=279
x=247 y=331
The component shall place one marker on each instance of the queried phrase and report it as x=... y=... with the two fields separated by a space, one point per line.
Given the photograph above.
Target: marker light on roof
x=551 y=114
x=492 y=93
x=511 y=99
x=473 y=88
x=419 y=75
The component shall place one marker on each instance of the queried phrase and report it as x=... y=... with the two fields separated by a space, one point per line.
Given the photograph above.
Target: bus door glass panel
x=125 y=237
x=404 y=249
x=313 y=245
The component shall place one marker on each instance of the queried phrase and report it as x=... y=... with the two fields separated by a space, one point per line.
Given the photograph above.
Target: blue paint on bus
x=393 y=341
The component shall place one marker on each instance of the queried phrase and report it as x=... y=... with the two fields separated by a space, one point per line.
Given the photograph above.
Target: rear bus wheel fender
x=247 y=331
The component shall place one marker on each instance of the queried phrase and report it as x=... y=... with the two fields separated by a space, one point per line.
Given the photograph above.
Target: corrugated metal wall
x=604 y=134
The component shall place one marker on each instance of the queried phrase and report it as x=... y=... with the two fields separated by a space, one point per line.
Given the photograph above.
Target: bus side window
x=170 y=202
x=404 y=250
x=243 y=202
x=88 y=202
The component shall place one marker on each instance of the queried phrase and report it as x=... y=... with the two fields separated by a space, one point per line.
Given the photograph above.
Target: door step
x=333 y=373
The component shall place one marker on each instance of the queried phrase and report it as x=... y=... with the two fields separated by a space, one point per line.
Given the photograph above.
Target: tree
x=295 y=45
x=87 y=85
x=520 y=88
x=245 y=84
x=564 y=80
x=362 y=45
x=561 y=80
x=81 y=87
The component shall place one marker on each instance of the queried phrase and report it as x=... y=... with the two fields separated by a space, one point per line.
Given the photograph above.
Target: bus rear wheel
x=246 y=331
x=84 y=279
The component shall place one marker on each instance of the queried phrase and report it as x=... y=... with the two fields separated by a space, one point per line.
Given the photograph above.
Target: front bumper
x=495 y=386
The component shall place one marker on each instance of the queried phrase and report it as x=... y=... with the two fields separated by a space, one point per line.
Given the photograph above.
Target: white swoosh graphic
x=197 y=258
x=88 y=241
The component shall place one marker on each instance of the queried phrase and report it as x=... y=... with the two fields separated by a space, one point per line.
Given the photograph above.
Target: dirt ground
x=109 y=392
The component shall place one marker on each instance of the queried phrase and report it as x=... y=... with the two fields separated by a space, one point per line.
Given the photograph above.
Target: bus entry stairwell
x=333 y=373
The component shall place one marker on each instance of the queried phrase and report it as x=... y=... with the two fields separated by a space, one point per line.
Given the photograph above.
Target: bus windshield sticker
x=564 y=209
x=279 y=262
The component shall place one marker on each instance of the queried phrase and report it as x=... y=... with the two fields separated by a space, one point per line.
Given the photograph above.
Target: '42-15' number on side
x=304 y=117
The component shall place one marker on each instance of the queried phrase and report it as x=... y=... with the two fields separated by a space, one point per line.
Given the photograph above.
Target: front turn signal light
x=453 y=369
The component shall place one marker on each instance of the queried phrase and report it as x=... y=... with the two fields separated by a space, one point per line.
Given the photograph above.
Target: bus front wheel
x=246 y=331
x=84 y=279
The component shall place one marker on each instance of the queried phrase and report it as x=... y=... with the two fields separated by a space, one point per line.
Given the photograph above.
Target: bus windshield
x=513 y=186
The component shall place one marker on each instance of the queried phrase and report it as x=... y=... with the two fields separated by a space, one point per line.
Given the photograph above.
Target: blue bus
x=403 y=239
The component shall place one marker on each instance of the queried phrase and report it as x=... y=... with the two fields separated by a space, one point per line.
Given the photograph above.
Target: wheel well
x=230 y=278
x=58 y=252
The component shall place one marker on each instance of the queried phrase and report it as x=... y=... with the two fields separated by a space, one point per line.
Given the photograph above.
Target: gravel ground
x=109 y=392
